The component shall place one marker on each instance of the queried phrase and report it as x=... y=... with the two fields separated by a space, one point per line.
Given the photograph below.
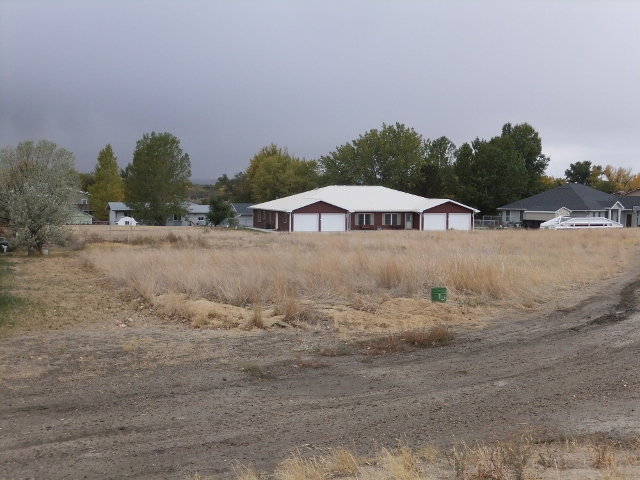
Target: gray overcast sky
x=229 y=77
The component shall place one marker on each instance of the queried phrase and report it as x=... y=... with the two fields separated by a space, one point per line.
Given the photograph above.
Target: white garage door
x=459 y=221
x=305 y=222
x=435 y=221
x=333 y=222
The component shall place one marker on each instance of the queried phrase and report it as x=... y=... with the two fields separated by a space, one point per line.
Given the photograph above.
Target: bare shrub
x=299 y=468
x=339 y=350
x=255 y=321
x=429 y=337
x=396 y=342
x=257 y=371
x=401 y=464
x=552 y=458
x=602 y=453
x=458 y=459
x=243 y=472
x=341 y=462
x=518 y=452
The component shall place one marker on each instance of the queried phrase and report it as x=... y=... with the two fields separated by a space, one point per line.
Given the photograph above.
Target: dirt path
x=160 y=401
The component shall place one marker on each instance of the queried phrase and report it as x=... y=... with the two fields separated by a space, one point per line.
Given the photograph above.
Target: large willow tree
x=38 y=183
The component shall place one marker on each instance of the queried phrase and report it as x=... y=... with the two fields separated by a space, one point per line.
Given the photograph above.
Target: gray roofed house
x=244 y=214
x=197 y=214
x=572 y=199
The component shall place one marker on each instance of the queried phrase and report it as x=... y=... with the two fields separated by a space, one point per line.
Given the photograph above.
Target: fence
x=485 y=224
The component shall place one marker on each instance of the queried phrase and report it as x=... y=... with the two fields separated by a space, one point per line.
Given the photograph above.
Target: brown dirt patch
x=97 y=383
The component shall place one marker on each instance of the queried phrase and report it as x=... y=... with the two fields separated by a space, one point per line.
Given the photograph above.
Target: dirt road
x=160 y=401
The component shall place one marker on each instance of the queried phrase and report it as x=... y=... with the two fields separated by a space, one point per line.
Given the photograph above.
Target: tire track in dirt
x=137 y=413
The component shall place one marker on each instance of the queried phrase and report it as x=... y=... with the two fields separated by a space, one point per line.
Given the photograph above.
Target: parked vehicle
x=4 y=245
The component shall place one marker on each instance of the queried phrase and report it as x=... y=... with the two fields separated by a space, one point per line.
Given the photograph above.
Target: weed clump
x=257 y=371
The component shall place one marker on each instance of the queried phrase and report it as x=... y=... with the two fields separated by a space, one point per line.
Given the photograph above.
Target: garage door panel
x=459 y=221
x=332 y=222
x=435 y=221
x=305 y=222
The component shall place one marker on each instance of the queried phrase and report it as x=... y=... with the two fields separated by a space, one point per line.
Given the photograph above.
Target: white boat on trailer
x=573 y=223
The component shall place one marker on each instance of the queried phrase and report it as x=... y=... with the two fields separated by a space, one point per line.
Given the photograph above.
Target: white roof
x=357 y=198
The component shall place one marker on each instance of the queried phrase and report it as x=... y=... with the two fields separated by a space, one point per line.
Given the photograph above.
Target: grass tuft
x=257 y=371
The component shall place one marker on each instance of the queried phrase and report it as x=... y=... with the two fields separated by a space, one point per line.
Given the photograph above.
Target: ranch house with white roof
x=340 y=208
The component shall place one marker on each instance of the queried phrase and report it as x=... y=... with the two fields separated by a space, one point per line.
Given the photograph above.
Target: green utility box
x=438 y=294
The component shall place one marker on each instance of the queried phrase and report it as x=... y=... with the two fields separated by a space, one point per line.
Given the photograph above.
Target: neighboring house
x=631 y=193
x=117 y=210
x=343 y=208
x=79 y=217
x=571 y=200
x=244 y=214
x=197 y=214
x=83 y=212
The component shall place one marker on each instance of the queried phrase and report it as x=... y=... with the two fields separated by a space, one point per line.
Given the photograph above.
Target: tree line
x=485 y=174
x=38 y=181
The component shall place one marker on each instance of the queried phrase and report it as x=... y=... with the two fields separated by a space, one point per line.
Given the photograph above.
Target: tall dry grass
x=523 y=267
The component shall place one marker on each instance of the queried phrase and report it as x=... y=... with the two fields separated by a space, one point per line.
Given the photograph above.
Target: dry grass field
x=195 y=353
x=228 y=278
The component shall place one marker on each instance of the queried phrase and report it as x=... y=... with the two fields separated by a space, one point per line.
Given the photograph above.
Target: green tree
x=236 y=189
x=579 y=172
x=38 y=183
x=273 y=173
x=108 y=185
x=219 y=210
x=528 y=144
x=428 y=181
x=388 y=157
x=435 y=177
x=157 y=179
x=86 y=180
x=490 y=173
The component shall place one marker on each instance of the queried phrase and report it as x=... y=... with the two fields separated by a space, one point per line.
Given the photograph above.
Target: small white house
x=126 y=221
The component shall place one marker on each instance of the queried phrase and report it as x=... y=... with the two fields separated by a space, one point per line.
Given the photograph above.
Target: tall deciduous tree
x=620 y=178
x=490 y=173
x=38 y=183
x=219 y=210
x=157 y=179
x=274 y=173
x=108 y=185
x=579 y=172
x=388 y=157
x=528 y=144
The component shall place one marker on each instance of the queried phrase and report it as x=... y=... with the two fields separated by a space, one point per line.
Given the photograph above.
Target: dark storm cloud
x=230 y=77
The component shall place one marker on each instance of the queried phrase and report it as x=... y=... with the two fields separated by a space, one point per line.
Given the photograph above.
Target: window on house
x=364 y=218
x=177 y=217
x=200 y=218
x=285 y=217
x=84 y=201
x=391 y=219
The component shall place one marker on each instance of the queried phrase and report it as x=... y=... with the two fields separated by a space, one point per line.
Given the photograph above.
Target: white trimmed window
x=391 y=219
x=364 y=218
